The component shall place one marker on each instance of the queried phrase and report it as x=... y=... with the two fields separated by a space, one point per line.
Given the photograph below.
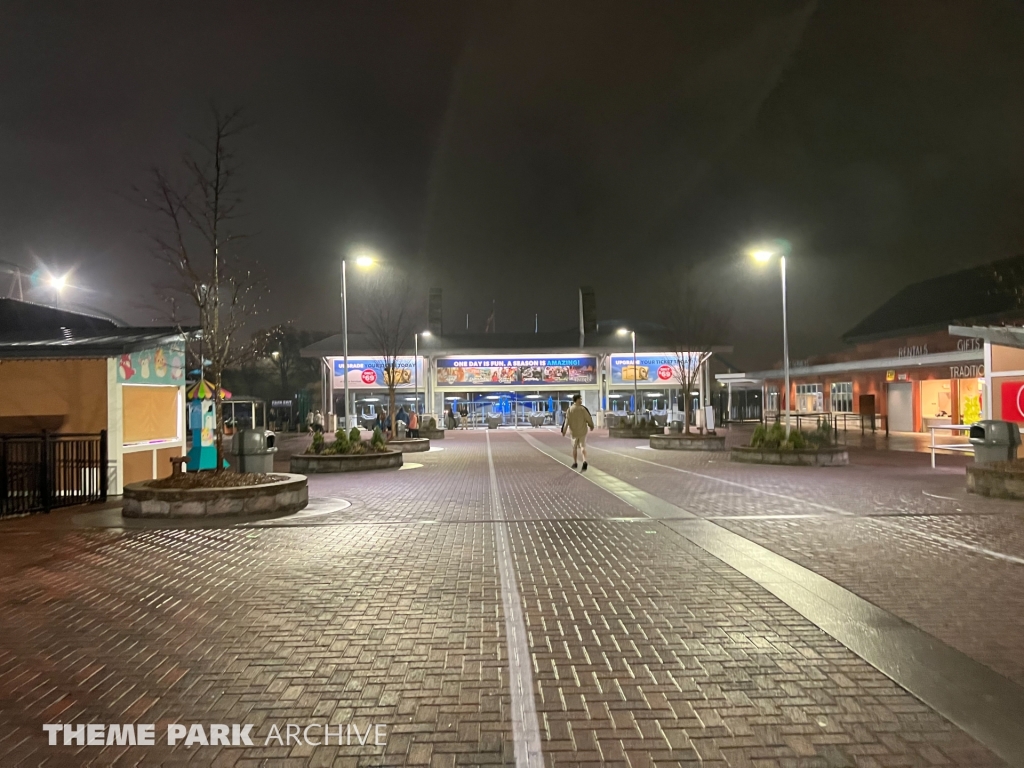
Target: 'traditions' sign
x=521 y=371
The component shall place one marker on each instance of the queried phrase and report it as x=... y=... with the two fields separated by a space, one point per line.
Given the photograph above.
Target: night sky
x=513 y=151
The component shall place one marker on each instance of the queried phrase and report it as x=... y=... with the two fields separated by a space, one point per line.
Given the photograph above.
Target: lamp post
x=416 y=363
x=780 y=248
x=364 y=259
x=636 y=396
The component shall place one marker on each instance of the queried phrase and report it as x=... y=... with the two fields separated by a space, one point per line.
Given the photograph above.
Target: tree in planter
x=388 y=325
x=694 y=321
x=196 y=238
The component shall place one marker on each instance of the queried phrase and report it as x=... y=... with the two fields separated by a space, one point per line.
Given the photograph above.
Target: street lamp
x=636 y=396
x=780 y=248
x=364 y=258
x=58 y=283
x=416 y=363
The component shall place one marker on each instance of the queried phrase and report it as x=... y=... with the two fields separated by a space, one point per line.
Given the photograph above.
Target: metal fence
x=44 y=471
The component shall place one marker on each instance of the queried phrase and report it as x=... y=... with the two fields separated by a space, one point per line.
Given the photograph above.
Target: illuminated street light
x=780 y=248
x=636 y=397
x=364 y=258
x=58 y=282
x=416 y=363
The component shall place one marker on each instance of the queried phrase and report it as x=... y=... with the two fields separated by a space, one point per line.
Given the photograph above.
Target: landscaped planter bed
x=998 y=481
x=281 y=497
x=635 y=433
x=827 y=457
x=683 y=442
x=314 y=463
x=432 y=434
x=410 y=444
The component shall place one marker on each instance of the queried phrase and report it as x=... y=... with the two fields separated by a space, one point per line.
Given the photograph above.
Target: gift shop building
x=937 y=353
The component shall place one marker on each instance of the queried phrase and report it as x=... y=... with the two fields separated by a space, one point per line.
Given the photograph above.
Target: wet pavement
x=489 y=606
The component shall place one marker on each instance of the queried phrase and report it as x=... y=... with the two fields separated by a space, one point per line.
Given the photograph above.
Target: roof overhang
x=877 y=364
x=1001 y=335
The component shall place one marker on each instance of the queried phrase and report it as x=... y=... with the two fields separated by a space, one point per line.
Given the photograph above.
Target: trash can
x=493 y=422
x=253 y=450
x=400 y=429
x=994 y=441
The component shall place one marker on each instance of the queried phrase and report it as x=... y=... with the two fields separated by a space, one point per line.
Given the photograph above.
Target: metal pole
x=344 y=332
x=416 y=367
x=636 y=396
x=785 y=345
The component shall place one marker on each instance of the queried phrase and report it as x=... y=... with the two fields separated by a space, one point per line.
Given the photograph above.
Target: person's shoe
x=584 y=466
x=574 y=465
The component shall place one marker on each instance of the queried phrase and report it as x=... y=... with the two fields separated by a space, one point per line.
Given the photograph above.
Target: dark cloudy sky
x=512 y=151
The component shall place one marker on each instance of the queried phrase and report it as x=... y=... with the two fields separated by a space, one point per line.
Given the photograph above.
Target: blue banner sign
x=368 y=373
x=659 y=369
x=523 y=371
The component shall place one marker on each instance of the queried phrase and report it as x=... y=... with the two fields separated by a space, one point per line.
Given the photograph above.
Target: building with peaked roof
x=73 y=373
x=903 y=366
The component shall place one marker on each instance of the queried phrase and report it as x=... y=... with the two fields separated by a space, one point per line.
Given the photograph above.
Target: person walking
x=309 y=421
x=464 y=416
x=578 y=422
x=318 y=422
x=414 y=423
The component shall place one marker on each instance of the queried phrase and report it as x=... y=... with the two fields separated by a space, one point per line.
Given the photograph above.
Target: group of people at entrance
x=411 y=420
x=450 y=420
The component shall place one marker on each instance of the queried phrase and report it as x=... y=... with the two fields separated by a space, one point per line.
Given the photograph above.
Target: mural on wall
x=160 y=365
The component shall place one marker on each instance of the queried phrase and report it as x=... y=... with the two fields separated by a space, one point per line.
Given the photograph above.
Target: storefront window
x=970 y=400
x=809 y=398
x=936 y=402
x=841 y=395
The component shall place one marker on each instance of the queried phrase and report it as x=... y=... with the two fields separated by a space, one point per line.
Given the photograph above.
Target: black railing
x=40 y=472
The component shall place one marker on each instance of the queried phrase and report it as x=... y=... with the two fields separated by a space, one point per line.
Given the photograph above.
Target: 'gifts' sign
x=1013 y=401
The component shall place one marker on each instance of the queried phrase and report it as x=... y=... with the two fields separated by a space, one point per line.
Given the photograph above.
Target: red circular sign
x=368 y=376
x=665 y=372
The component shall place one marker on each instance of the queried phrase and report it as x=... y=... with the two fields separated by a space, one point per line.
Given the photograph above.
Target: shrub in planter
x=342 y=444
x=317 y=446
x=377 y=441
x=354 y=435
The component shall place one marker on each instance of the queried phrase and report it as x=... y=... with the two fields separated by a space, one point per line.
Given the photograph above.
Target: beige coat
x=577 y=420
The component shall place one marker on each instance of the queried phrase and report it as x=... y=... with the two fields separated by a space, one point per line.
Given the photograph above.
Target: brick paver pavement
x=644 y=649
x=904 y=537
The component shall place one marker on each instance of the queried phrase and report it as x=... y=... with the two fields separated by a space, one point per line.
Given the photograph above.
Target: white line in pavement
x=920 y=534
x=525 y=730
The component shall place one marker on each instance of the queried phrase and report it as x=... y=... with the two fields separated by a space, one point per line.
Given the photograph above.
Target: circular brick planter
x=313 y=464
x=268 y=500
x=678 y=442
x=410 y=444
x=992 y=481
x=432 y=434
x=635 y=434
x=831 y=457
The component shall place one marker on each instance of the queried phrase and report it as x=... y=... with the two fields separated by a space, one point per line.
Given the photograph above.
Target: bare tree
x=388 y=323
x=695 y=322
x=281 y=346
x=196 y=238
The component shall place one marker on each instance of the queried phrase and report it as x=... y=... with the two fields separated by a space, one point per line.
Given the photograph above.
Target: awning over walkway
x=1003 y=335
